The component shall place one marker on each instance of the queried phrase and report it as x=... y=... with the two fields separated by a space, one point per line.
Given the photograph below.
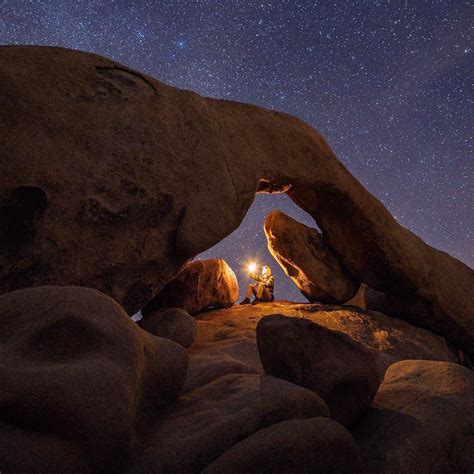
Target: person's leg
x=260 y=289
x=266 y=295
x=250 y=289
x=258 y=294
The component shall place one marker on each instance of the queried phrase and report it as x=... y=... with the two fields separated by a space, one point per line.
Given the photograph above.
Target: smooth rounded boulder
x=311 y=265
x=209 y=420
x=201 y=284
x=422 y=420
x=339 y=369
x=171 y=323
x=293 y=447
x=79 y=379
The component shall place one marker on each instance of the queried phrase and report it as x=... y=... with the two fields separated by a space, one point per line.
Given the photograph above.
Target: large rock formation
x=293 y=447
x=305 y=258
x=200 y=285
x=226 y=343
x=340 y=370
x=422 y=420
x=208 y=421
x=79 y=380
x=177 y=173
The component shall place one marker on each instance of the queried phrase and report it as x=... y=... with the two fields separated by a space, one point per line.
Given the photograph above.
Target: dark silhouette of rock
x=177 y=173
x=211 y=419
x=422 y=420
x=201 y=284
x=293 y=446
x=367 y=298
x=171 y=323
x=340 y=370
x=305 y=258
x=226 y=339
x=78 y=380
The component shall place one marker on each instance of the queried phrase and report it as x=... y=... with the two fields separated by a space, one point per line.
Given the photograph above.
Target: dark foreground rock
x=340 y=370
x=293 y=447
x=422 y=420
x=226 y=339
x=78 y=381
x=200 y=285
x=303 y=255
x=171 y=323
x=177 y=173
x=208 y=421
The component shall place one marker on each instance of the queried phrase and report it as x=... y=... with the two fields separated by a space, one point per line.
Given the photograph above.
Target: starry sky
x=388 y=83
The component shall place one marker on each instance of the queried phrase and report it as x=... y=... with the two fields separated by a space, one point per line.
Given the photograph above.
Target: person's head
x=266 y=272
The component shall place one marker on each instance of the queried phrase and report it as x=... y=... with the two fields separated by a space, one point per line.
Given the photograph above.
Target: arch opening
x=248 y=241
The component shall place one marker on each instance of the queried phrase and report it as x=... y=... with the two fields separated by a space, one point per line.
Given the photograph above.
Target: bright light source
x=252 y=267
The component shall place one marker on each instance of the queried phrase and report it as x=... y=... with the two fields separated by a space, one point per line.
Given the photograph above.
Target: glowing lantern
x=252 y=267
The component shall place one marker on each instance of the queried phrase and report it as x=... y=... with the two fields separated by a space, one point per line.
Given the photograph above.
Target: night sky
x=387 y=83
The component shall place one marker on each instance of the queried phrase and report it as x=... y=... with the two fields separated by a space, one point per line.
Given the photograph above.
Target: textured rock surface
x=211 y=419
x=200 y=285
x=171 y=323
x=340 y=370
x=225 y=342
x=422 y=420
x=294 y=446
x=177 y=173
x=313 y=267
x=78 y=378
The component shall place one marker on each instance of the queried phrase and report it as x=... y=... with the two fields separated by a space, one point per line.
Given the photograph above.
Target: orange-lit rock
x=305 y=258
x=226 y=340
x=201 y=284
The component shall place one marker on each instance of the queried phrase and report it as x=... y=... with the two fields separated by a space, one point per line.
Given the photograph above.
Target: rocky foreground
x=276 y=387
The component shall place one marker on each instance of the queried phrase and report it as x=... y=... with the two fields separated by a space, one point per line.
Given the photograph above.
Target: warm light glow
x=252 y=267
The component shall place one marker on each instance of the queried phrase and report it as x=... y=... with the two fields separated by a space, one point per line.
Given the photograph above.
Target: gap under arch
x=248 y=242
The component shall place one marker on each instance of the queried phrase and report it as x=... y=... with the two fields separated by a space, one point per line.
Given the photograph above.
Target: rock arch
x=140 y=177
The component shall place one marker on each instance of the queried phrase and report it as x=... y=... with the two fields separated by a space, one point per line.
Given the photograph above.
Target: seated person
x=262 y=288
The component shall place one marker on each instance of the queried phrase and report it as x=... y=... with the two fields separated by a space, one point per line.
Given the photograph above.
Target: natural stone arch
x=140 y=177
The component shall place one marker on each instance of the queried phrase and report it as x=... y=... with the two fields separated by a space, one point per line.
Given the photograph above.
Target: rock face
x=305 y=258
x=78 y=379
x=211 y=419
x=422 y=420
x=177 y=173
x=200 y=285
x=367 y=298
x=340 y=370
x=226 y=339
x=171 y=323
x=293 y=446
